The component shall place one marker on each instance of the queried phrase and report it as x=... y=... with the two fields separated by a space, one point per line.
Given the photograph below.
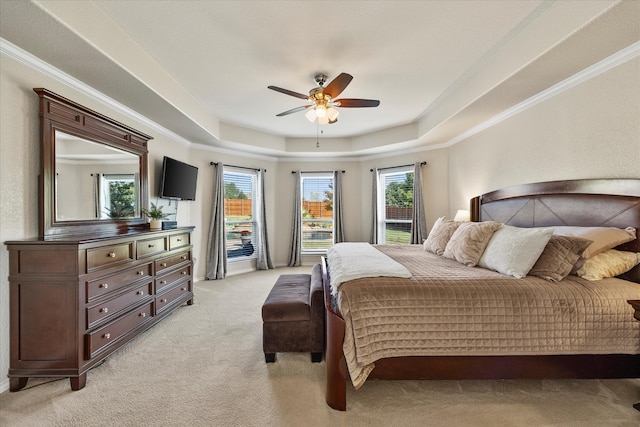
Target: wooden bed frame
x=601 y=202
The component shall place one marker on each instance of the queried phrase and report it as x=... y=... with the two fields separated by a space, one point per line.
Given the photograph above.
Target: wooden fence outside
x=397 y=212
x=242 y=208
x=317 y=209
x=237 y=207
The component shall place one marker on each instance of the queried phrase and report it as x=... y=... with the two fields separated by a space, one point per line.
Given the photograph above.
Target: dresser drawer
x=168 y=298
x=169 y=279
x=110 y=333
x=168 y=262
x=108 y=255
x=111 y=307
x=104 y=285
x=151 y=247
x=178 y=241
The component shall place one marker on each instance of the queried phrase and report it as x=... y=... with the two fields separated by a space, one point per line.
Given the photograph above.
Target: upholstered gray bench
x=293 y=316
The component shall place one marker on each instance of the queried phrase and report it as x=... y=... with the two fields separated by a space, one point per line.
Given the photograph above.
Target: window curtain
x=264 y=257
x=295 y=250
x=216 y=250
x=418 y=220
x=373 y=239
x=338 y=222
x=97 y=190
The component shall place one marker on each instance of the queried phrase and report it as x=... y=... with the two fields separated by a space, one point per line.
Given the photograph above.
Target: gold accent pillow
x=610 y=263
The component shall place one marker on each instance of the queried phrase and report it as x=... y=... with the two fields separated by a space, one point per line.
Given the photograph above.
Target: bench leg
x=269 y=357
x=316 y=357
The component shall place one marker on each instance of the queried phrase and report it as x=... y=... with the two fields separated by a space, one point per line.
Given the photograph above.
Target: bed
x=477 y=348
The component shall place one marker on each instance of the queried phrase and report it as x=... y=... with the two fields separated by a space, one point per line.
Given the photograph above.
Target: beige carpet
x=203 y=366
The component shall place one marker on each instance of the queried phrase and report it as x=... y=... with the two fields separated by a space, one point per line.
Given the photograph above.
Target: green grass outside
x=397 y=237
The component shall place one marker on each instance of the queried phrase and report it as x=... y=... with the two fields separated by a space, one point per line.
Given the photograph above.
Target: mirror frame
x=59 y=113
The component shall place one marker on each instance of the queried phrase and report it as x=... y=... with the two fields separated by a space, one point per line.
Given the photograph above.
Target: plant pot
x=156 y=224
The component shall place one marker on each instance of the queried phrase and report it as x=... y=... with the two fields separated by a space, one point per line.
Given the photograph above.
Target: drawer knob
x=183 y=257
x=163 y=300
x=106 y=336
x=104 y=285
x=143 y=314
x=141 y=273
x=183 y=273
x=104 y=309
x=112 y=255
x=183 y=289
x=164 y=264
x=152 y=246
x=179 y=239
x=163 y=282
x=140 y=292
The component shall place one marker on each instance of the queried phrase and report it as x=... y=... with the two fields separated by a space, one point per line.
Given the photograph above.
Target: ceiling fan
x=323 y=99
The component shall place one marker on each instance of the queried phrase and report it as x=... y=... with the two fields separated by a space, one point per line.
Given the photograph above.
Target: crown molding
x=612 y=61
x=20 y=55
x=631 y=52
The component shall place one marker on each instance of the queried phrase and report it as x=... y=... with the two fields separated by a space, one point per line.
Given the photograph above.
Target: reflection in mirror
x=94 y=181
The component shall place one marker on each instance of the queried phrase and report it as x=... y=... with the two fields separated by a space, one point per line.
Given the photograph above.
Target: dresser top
x=97 y=237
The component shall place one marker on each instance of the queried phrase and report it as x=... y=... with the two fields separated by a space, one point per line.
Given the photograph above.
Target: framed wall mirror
x=93 y=176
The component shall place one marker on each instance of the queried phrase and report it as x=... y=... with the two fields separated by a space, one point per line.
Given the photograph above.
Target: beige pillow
x=469 y=241
x=603 y=238
x=559 y=257
x=440 y=234
x=610 y=263
x=514 y=250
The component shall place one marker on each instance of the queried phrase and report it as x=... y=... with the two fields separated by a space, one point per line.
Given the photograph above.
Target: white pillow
x=603 y=238
x=513 y=251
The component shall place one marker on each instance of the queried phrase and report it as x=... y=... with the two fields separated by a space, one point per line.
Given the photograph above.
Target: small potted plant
x=156 y=215
x=245 y=236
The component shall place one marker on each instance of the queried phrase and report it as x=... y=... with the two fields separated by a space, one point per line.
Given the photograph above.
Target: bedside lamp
x=463 y=215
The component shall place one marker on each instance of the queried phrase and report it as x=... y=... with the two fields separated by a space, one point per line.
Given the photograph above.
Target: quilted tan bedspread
x=447 y=308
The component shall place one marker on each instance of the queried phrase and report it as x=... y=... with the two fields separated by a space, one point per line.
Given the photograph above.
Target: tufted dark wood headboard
x=583 y=202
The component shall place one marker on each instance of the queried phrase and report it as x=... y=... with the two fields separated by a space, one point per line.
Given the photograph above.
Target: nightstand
x=635 y=303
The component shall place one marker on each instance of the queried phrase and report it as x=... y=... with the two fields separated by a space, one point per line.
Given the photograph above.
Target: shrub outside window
x=395 y=205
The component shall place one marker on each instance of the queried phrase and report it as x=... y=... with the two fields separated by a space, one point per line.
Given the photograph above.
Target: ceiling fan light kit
x=322 y=99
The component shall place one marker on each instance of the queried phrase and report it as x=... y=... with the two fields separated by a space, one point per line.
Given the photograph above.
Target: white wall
x=590 y=130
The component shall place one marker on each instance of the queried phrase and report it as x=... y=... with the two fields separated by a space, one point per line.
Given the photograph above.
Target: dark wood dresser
x=74 y=301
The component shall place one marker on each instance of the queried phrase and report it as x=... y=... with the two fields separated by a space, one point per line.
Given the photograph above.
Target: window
x=117 y=196
x=317 y=211
x=395 y=205
x=240 y=213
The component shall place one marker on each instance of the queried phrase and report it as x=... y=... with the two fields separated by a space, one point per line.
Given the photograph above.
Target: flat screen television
x=178 y=180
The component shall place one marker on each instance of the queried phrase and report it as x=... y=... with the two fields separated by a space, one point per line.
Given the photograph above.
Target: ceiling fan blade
x=338 y=84
x=294 y=110
x=288 y=92
x=355 y=103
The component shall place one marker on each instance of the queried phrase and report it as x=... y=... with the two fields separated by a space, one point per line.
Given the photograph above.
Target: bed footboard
x=336 y=392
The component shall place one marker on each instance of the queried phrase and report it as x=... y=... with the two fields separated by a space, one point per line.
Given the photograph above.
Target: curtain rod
x=316 y=171
x=239 y=167
x=401 y=166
